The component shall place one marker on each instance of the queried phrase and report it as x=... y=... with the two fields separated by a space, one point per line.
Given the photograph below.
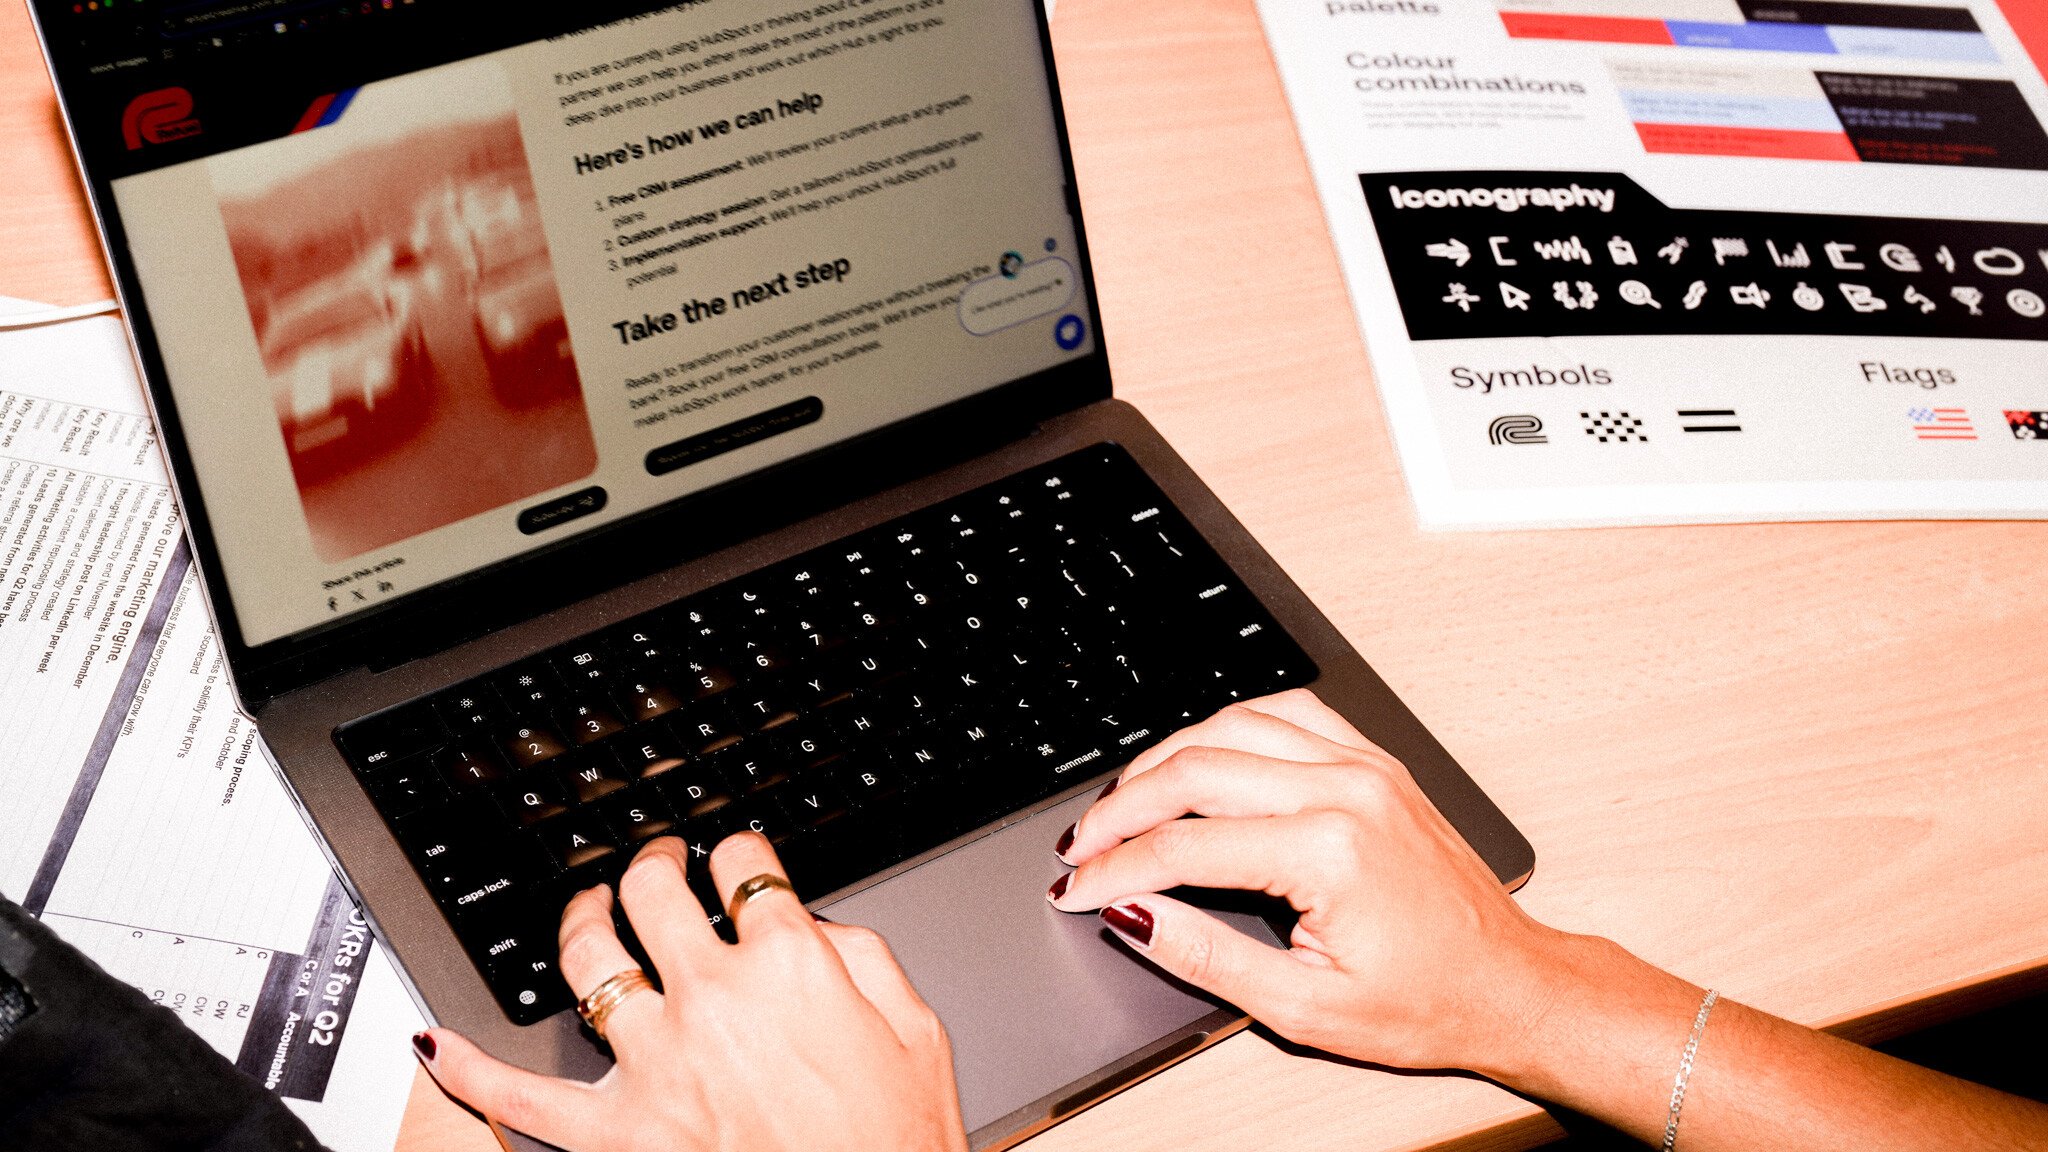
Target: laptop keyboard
x=859 y=704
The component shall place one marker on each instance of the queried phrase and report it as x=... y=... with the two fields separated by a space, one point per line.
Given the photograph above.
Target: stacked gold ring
x=751 y=887
x=597 y=1007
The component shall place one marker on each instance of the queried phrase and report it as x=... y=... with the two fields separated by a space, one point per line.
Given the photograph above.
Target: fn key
x=526 y=983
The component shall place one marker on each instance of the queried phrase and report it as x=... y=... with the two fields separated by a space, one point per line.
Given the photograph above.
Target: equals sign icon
x=1708 y=420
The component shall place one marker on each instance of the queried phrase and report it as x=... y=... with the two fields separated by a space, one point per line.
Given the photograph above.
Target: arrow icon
x=1454 y=251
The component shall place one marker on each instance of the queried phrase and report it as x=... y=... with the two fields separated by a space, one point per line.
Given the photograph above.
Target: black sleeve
x=90 y=1063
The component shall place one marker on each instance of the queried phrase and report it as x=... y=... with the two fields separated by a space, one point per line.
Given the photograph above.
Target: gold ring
x=597 y=1007
x=750 y=888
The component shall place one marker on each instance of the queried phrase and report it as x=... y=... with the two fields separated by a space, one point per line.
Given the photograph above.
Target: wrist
x=1595 y=1019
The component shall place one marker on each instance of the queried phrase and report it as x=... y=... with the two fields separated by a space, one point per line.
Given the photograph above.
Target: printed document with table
x=144 y=822
x=1633 y=261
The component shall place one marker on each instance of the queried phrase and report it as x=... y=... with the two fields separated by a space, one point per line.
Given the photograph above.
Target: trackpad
x=1035 y=999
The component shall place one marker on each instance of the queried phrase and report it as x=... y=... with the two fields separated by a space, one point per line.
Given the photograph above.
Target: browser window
x=452 y=314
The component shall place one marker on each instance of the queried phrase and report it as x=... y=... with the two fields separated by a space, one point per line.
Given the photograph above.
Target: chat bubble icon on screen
x=990 y=305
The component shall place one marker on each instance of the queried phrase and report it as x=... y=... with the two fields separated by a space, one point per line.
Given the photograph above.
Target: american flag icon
x=1941 y=424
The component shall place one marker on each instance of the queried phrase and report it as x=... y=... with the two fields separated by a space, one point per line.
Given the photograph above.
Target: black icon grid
x=1614 y=427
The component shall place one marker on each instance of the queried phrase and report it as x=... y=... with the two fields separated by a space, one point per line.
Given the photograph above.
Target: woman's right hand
x=1408 y=951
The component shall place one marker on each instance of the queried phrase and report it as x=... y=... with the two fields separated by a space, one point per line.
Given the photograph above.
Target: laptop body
x=603 y=351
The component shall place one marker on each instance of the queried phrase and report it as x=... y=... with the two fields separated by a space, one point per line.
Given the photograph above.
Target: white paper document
x=143 y=821
x=1652 y=261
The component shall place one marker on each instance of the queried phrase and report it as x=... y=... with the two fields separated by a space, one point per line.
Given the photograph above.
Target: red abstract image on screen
x=408 y=317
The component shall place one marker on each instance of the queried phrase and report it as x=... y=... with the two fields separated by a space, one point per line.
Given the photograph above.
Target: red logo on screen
x=158 y=117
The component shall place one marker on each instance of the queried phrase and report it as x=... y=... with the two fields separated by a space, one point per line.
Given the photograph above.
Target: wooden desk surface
x=1802 y=763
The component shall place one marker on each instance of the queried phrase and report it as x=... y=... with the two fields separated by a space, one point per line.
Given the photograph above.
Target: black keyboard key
x=762 y=711
x=578 y=840
x=909 y=704
x=699 y=628
x=584 y=667
x=470 y=764
x=756 y=766
x=391 y=735
x=590 y=774
x=638 y=815
x=695 y=791
x=471 y=709
x=533 y=798
x=646 y=699
x=820 y=685
x=874 y=663
x=530 y=688
x=869 y=783
x=820 y=633
x=590 y=719
x=918 y=754
x=972 y=737
x=529 y=744
x=972 y=683
x=858 y=723
x=805 y=746
x=762 y=658
x=644 y=647
x=650 y=751
x=492 y=894
x=1068 y=762
x=701 y=680
x=1020 y=663
x=872 y=617
x=1074 y=683
x=762 y=609
x=706 y=729
x=810 y=804
x=406 y=788
x=757 y=814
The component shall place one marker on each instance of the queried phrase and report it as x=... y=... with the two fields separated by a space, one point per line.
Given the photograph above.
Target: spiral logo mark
x=1516 y=430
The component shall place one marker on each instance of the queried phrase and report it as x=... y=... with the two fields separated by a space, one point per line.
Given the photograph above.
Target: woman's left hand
x=803 y=1036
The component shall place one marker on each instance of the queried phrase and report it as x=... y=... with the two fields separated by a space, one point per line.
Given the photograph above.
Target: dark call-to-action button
x=574 y=506
x=738 y=434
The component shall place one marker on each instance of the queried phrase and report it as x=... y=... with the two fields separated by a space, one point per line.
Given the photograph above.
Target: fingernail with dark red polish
x=1107 y=789
x=1133 y=922
x=1059 y=887
x=423 y=1044
x=1066 y=841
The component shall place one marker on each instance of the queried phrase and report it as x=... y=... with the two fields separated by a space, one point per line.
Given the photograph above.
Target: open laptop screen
x=432 y=321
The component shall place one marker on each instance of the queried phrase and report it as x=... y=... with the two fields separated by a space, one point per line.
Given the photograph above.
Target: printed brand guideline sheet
x=144 y=822
x=1641 y=261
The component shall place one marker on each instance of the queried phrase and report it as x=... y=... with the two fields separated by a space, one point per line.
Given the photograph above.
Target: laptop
x=606 y=421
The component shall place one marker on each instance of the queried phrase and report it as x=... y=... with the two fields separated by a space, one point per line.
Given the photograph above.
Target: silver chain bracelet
x=1692 y=1048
